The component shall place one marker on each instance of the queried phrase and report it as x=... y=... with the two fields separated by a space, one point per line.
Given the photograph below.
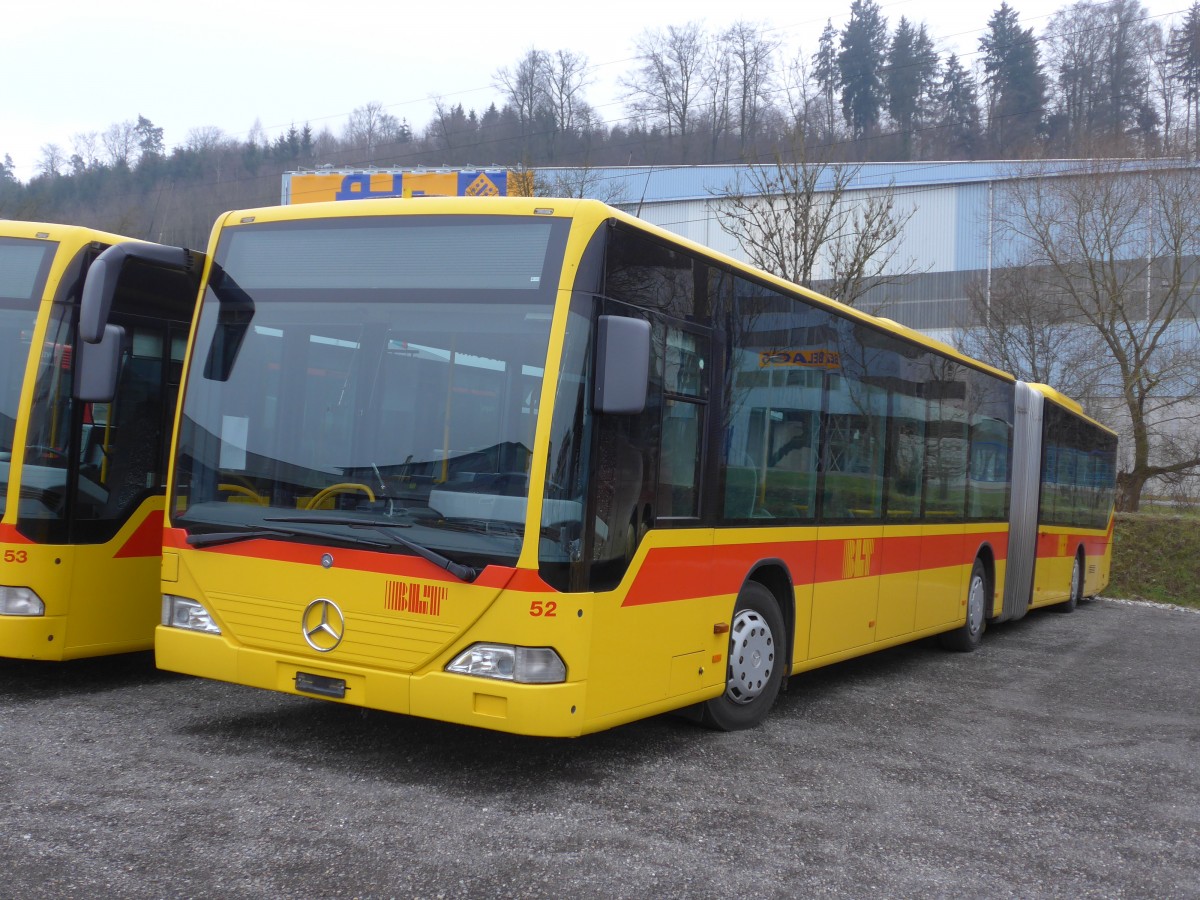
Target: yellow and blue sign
x=806 y=359
x=317 y=187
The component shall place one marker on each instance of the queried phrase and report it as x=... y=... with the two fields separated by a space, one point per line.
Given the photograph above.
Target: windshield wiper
x=457 y=569
x=214 y=538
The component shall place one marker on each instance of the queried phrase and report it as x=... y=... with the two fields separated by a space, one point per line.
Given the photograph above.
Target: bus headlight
x=523 y=665
x=180 y=612
x=20 y=601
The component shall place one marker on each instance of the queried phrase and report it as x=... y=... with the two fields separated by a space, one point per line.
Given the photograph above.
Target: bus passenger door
x=118 y=498
x=648 y=547
x=943 y=567
x=846 y=594
x=849 y=557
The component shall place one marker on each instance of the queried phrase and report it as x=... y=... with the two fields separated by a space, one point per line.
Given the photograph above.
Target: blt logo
x=856 y=558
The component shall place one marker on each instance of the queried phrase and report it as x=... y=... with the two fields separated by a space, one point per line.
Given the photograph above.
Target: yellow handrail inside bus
x=340 y=488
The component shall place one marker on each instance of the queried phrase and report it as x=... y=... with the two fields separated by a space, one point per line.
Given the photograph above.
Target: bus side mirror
x=98 y=366
x=100 y=286
x=622 y=365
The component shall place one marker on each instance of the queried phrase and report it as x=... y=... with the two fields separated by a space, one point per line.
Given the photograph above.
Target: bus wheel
x=1071 y=602
x=756 y=661
x=967 y=636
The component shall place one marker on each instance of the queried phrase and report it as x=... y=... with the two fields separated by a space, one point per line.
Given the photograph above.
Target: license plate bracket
x=321 y=685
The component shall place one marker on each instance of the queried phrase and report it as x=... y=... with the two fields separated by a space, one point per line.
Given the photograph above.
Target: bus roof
x=1068 y=404
x=49 y=231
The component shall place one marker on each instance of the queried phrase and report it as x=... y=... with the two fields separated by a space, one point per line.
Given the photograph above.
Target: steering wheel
x=40 y=455
x=255 y=496
x=343 y=487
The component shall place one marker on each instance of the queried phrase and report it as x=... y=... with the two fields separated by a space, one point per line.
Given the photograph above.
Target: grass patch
x=1157 y=557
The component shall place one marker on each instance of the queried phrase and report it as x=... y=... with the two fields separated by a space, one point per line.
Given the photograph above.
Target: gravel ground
x=1059 y=760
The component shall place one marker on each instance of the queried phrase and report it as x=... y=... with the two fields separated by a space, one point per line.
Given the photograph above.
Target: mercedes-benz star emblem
x=323 y=625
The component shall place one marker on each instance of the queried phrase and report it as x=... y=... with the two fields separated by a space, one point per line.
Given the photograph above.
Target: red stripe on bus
x=521 y=580
x=1056 y=546
x=10 y=535
x=146 y=540
x=670 y=574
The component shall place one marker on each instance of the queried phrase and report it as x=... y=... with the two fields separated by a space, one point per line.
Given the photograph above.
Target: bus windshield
x=23 y=267
x=377 y=373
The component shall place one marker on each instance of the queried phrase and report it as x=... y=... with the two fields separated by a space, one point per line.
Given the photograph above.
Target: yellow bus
x=534 y=465
x=82 y=477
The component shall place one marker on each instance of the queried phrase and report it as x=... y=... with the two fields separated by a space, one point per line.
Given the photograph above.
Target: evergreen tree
x=860 y=66
x=1016 y=85
x=911 y=75
x=958 y=111
x=1183 y=53
x=149 y=137
x=287 y=146
x=827 y=75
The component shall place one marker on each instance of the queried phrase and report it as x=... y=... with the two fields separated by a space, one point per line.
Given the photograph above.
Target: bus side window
x=684 y=415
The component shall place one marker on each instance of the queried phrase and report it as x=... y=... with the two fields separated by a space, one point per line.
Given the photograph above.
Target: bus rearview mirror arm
x=100 y=286
x=622 y=365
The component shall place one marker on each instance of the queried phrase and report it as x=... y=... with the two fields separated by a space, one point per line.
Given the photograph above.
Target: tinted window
x=641 y=271
x=780 y=350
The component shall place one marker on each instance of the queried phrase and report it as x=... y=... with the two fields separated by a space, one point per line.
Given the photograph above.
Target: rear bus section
x=1064 y=487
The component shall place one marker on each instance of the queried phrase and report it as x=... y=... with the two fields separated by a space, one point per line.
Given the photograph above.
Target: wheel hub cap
x=751 y=657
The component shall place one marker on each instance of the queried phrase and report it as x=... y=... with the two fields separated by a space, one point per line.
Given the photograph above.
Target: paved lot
x=1059 y=760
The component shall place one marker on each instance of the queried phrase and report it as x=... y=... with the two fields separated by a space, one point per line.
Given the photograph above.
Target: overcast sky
x=76 y=66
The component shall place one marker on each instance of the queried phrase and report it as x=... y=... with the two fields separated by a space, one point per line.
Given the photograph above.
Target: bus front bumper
x=545 y=710
x=33 y=637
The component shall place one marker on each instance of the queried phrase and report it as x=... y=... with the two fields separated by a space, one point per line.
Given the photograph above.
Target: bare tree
x=524 y=84
x=719 y=95
x=204 y=138
x=805 y=222
x=667 y=90
x=578 y=182
x=369 y=127
x=1016 y=326
x=1114 y=246
x=86 y=145
x=753 y=57
x=52 y=160
x=565 y=78
x=257 y=136
x=120 y=142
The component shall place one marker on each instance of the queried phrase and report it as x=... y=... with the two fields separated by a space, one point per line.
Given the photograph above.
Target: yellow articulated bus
x=82 y=481
x=536 y=466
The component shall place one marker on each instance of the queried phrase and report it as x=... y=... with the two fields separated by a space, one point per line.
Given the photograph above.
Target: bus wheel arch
x=987 y=557
x=968 y=636
x=1078 y=567
x=759 y=651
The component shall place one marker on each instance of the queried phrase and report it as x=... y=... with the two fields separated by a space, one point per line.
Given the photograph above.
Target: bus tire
x=1068 y=605
x=757 y=658
x=967 y=636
